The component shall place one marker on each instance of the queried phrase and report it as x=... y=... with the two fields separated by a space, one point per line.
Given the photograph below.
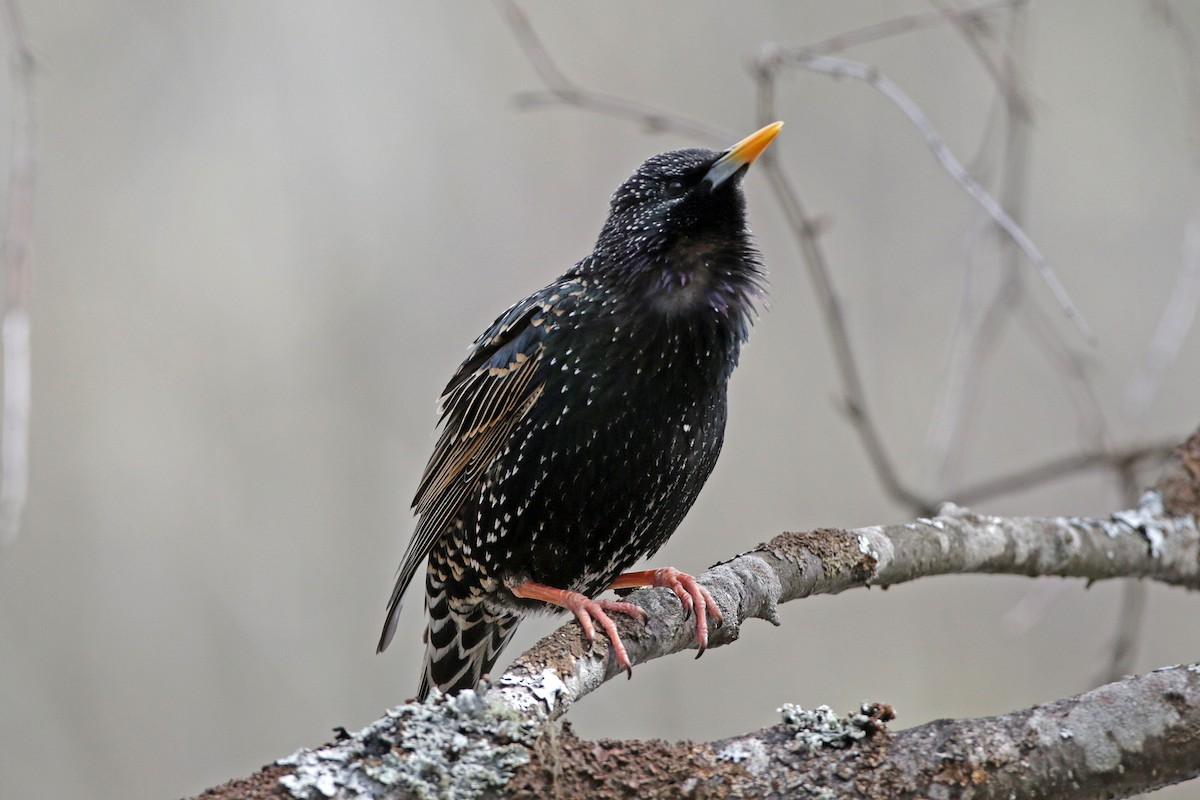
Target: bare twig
x=562 y=89
x=1004 y=74
x=14 y=454
x=1173 y=327
x=973 y=16
x=854 y=396
x=1180 y=313
x=844 y=68
x=1058 y=468
x=1188 y=49
x=973 y=342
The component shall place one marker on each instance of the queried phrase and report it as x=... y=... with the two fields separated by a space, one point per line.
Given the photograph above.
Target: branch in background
x=1059 y=468
x=976 y=334
x=18 y=244
x=854 y=402
x=1004 y=74
x=974 y=16
x=1173 y=327
x=844 y=68
x=1188 y=51
x=806 y=231
x=1180 y=313
x=564 y=90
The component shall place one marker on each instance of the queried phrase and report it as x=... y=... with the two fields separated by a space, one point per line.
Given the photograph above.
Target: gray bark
x=1121 y=739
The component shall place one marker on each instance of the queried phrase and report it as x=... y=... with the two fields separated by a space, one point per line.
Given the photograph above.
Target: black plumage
x=584 y=422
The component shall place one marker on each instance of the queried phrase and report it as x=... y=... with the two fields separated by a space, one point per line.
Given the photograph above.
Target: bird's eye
x=674 y=188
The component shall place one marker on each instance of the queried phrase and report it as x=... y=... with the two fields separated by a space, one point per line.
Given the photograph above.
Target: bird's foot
x=694 y=597
x=589 y=613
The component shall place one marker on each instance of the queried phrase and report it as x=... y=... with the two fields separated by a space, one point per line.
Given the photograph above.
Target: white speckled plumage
x=584 y=422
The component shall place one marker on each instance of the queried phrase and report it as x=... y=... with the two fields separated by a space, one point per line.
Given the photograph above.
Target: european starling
x=586 y=419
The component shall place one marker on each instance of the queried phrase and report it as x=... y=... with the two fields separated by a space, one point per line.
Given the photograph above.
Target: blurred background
x=266 y=233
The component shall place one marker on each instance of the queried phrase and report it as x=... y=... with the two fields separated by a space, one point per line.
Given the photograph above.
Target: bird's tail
x=462 y=648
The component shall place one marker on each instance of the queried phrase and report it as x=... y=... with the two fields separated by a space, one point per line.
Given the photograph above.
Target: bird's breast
x=686 y=280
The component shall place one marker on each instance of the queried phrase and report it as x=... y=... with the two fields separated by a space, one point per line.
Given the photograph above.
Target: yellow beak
x=741 y=155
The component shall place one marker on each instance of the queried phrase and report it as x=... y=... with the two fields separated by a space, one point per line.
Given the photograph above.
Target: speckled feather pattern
x=583 y=424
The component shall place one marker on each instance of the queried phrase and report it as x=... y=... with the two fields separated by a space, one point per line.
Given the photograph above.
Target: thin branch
x=1005 y=74
x=1071 y=366
x=1189 y=53
x=973 y=16
x=1179 y=315
x=18 y=245
x=1173 y=327
x=854 y=396
x=844 y=68
x=1144 y=542
x=973 y=342
x=1058 y=468
x=562 y=89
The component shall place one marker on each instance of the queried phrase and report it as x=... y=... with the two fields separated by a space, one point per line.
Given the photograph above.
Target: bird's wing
x=489 y=394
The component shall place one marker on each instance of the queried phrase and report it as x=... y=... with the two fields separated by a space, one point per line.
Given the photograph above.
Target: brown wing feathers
x=492 y=390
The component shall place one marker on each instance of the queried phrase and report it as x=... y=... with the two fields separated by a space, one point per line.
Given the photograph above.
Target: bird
x=584 y=422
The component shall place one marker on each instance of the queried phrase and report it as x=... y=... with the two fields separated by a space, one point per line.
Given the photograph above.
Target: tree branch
x=1144 y=542
x=1121 y=739
x=1124 y=738
x=844 y=68
x=1115 y=741
x=18 y=246
x=1127 y=737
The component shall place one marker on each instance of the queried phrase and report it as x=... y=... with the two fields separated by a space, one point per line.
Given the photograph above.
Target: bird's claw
x=695 y=599
x=588 y=611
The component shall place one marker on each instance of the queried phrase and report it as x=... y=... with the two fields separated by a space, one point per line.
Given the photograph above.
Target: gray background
x=267 y=232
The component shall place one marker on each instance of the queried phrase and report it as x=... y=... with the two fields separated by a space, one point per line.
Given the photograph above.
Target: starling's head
x=680 y=217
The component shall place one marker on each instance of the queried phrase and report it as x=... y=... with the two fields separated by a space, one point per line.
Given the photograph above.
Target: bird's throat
x=700 y=277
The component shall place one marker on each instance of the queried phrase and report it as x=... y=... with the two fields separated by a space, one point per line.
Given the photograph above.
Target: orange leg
x=693 y=596
x=586 y=610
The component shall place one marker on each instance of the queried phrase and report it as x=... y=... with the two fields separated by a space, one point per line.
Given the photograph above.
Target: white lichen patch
x=875 y=543
x=750 y=753
x=1146 y=519
x=446 y=747
x=1123 y=730
x=526 y=694
x=822 y=728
